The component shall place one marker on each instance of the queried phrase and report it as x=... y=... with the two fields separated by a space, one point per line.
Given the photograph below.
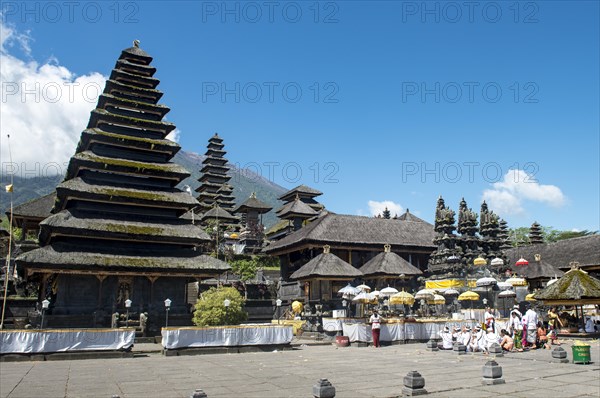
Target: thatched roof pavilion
x=388 y=265
x=326 y=266
x=576 y=287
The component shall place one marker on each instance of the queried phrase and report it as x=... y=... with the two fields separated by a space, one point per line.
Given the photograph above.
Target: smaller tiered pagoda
x=446 y=256
x=252 y=233
x=535 y=234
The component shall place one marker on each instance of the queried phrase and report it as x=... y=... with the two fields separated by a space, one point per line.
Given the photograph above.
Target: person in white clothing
x=477 y=339
x=375 y=321
x=446 y=336
x=465 y=337
x=530 y=319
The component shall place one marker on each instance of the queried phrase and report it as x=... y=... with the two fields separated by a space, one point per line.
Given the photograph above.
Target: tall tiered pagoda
x=214 y=187
x=447 y=254
x=491 y=233
x=116 y=231
x=467 y=228
x=304 y=194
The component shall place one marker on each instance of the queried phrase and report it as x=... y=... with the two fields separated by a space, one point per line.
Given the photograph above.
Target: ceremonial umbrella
x=505 y=295
x=504 y=285
x=450 y=292
x=388 y=291
x=402 y=298
x=470 y=296
x=425 y=294
x=437 y=299
x=486 y=282
x=522 y=262
x=364 y=288
x=365 y=298
x=349 y=290
x=517 y=281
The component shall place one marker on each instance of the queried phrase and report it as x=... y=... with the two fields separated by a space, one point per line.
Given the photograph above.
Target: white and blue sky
x=376 y=103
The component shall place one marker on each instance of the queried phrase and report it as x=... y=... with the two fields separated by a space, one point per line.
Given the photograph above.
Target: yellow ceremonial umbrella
x=517 y=281
x=470 y=296
x=480 y=261
x=437 y=299
x=404 y=298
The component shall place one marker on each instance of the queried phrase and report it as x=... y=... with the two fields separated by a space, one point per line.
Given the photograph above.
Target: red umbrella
x=521 y=262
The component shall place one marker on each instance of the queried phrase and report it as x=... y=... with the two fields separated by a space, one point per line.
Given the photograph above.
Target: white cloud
x=376 y=208
x=174 y=135
x=507 y=196
x=45 y=107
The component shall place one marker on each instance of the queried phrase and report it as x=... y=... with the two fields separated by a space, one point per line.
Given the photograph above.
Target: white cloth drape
x=226 y=336
x=63 y=340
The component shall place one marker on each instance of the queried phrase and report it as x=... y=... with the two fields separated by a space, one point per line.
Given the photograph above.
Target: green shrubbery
x=210 y=310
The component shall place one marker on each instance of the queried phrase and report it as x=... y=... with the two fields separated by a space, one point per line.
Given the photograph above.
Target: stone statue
x=143 y=322
x=115 y=321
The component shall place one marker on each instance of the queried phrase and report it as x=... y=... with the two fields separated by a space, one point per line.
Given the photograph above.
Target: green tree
x=245 y=269
x=210 y=309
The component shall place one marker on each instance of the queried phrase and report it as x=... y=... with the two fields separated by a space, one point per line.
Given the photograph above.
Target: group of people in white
x=523 y=332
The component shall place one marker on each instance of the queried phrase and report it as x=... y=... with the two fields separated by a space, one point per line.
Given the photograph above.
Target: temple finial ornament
x=136 y=43
x=326 y=249
x=387 y=248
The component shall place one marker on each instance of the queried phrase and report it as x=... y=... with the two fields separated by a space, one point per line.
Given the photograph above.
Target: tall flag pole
x=9 y=189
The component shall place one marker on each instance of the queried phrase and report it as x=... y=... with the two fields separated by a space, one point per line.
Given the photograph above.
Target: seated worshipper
x=477 y=339
x=542 y=337
x=589 y=325
x=464 y=337
x=455 y=333
x=507 y=342
x=446 y=336
x=516 y=327
x=490 y=338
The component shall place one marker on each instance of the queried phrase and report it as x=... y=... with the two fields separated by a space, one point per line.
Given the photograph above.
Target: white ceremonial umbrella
x=388 y=291
x=363 y=288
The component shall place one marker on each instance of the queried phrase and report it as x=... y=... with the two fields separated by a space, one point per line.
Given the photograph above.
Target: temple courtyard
x=353 y=371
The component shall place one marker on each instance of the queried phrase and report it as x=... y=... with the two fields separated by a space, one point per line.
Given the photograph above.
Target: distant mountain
x=243 y=181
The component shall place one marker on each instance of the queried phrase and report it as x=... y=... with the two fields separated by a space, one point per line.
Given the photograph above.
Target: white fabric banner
x=63 y=340
x=226 y=336
x=404 y=331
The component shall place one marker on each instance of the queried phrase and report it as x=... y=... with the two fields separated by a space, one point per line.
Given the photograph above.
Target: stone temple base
x=415 y=391
x=491 y=382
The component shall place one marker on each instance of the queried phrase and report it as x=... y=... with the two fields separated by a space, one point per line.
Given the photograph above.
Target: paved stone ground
x=355 y=372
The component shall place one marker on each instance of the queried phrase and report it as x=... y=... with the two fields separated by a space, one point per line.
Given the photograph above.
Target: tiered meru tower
x=214 y=187
x=116 y=232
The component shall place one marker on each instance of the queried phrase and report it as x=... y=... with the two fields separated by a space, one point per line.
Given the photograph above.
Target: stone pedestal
x=460 y=348
x=492 y=374
x=198 y=394
x=432 y=345
x=496 y=350
x=413 y=384
x=559 y=355
x=323 y=389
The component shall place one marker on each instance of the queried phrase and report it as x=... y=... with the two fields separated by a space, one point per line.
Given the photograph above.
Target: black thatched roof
x=70 y=257
x=326 y=266
x=218 y=213
x=575 y=285
x=358 y=230
x=585 y=250
x=301 y=190
x=296 y=208
x=73 y=223
x=537 y=269
x=37 y=208
x=408 y=216
x=388 y=264
x=253 y=204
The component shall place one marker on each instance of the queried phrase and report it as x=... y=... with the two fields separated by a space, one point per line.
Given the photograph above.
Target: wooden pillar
x=350 y=257
x=101 y=279
x=152 y=280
